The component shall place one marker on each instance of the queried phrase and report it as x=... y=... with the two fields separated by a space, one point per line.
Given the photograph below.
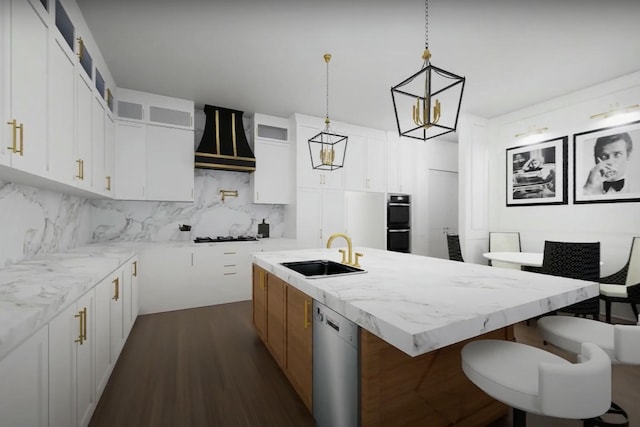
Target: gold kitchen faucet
x=349 y=258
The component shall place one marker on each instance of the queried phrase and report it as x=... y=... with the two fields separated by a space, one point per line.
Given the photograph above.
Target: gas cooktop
x=224 y=239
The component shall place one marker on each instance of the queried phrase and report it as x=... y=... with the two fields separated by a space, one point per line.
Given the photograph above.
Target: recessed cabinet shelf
x=169 y=116
x=272 y=132
x=64 y=24
x=130 y=110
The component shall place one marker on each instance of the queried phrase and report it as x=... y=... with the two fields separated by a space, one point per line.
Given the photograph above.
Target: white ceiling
x=267 y=55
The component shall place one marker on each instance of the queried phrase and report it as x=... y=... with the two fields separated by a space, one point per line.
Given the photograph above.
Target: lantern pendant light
x=427 y=104
x=327 y=149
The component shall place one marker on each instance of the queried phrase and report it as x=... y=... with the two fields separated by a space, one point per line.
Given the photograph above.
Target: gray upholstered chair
x=532 y=380
x=614 y=288
x=500 y=241
x=620 y=342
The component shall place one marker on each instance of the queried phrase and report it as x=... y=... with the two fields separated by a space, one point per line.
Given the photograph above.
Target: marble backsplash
x=208 y=215
x=35 y=221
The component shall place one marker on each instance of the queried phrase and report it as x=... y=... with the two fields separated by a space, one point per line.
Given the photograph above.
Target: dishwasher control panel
x=336 y=323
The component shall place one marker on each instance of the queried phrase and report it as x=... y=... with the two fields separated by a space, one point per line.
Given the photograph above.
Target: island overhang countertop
x=419 y=304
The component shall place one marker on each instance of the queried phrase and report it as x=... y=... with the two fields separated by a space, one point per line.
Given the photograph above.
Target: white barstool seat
x=533 y=380
x=620 y=342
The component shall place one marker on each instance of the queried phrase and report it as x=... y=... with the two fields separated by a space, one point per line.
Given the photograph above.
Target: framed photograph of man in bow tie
x=607 y=164
x=537 y=173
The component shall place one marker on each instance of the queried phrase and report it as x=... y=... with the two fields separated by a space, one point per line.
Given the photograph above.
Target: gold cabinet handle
x=134 y=266
x=80 y=48
x=116 y=294
x=14 y=131
x=80 y=338
x=84 y=324
x=307 y=322
x=262 y=280
x=82 y=170
x=21 y=150
x=79 y=175
x=108 y=188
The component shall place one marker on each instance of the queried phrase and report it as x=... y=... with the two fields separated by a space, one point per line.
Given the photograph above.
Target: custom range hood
x=224 y=145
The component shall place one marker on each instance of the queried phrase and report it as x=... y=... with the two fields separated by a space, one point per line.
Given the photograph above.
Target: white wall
x=612 y=224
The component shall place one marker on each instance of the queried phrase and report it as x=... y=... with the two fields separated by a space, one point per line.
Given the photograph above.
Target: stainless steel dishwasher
x=336 y=401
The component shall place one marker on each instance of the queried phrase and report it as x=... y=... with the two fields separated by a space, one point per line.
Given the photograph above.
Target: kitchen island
x=415 y=313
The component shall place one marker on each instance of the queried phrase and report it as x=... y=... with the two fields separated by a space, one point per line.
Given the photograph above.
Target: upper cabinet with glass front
x=133 y=105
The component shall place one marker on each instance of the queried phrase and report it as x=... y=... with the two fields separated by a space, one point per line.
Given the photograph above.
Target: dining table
x=529 y=259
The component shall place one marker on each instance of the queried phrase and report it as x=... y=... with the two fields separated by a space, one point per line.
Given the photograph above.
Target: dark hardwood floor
x=206 y=367
x=199 y=367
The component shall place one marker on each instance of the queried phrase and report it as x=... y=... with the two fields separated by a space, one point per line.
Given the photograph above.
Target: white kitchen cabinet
x=307 y=176
x=24 y=375
x=364 y=168
x=320 y=214
x=164 y=280
x=153 y=162
x=221 y=274
x=99 y=174
x=375 y=178
x=129 y=292
x=109 y=153
x=102 y=332
x=26 y=36
x=72 y=396
x=62 y=105
x=143 y=107
x=130 y=161
x=273 y=179
x=271 y=182
x=169 y=164
x=84 y=131
x=116 y=314
x=400 y=164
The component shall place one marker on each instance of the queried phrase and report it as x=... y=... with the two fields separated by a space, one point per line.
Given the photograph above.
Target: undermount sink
x=318 y=268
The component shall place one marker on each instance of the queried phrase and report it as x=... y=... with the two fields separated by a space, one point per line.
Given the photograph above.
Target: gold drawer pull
x=307 y=322
x=80 y=338
x=135 y=268
x=108 y=188
x=116 y=295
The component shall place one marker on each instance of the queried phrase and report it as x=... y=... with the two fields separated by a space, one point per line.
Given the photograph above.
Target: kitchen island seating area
x=532 y=380
x=620 y=342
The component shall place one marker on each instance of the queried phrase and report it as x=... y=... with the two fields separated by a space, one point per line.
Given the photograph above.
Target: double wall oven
x=399 y=223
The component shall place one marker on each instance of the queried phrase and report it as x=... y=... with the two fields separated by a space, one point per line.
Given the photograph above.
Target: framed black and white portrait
x=537 y=173
x=607 y=164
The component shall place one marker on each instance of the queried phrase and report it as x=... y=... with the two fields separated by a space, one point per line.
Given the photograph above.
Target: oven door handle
x=398 y=204
x=403 y=230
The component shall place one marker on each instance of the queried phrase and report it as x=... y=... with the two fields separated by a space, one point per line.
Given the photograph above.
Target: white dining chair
x=500 y=241
x=532 y=380
x=614 y=288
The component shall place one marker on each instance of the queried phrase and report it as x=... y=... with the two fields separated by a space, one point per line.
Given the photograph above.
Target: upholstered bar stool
x=620 y=342
x=533 y=380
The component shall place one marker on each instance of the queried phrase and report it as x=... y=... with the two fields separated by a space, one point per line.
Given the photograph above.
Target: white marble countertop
x=419 y=304
x=32 y=292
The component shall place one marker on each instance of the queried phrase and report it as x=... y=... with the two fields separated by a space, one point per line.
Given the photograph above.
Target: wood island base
x=426 y=390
